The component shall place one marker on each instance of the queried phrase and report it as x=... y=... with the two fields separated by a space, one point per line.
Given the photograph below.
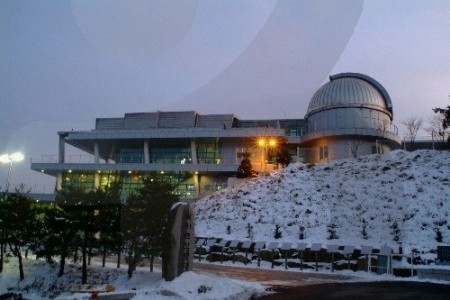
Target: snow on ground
x=373 y=200
x=41 y=282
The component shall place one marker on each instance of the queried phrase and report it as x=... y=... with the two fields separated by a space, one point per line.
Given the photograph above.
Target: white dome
x=348 y=90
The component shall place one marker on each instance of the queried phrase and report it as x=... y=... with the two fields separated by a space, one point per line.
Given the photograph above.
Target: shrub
x=277 y=234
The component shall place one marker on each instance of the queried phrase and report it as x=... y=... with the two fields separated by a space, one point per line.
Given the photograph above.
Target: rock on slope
x=372 y=200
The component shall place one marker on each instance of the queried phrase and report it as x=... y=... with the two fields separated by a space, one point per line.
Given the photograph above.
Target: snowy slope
x=41 y=282
x=373 y=200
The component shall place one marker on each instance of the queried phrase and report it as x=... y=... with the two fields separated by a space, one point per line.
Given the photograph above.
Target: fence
x=304 y=256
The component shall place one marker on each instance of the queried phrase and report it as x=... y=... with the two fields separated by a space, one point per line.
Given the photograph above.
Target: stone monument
x=179 y=244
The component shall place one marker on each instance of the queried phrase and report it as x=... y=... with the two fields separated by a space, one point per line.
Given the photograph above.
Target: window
x=131 y=155
x=323 y=152
x=78 y=180
x=376 y=150
x=208 y=153
x=171 y=155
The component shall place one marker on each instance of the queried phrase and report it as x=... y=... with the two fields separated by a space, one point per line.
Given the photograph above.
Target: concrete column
x=96 y=180
x=146 y=152
x=194 y=152
x=197 y=185
x=62 y=147
x=59 y=181
x=96 y=153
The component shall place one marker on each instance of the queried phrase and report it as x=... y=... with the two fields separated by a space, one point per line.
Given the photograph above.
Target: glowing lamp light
x=272 y=142
x=262 y=142
x=4 y=158
x=10 y=159
x=16 y=157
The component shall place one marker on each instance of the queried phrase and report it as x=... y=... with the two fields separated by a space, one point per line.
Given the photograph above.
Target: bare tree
x=436 y=128
x=354 y=145
x=412 y=124
x=383 y=125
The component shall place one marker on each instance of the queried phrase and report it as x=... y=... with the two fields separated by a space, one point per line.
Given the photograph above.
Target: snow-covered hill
x=373 y=200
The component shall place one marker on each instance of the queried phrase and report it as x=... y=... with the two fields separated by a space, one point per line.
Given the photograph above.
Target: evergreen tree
x=277 y=234
x=3 y=213
x=81 y=214
x=283 y=155
x=245 y=169
x=18 y=224
x=144 y=218
x=445 y=112
x=59 y=235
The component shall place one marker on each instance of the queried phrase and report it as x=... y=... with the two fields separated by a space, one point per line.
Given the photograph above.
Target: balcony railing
x=74 y=159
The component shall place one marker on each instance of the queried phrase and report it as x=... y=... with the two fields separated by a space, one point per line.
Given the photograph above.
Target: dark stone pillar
x=179 y=245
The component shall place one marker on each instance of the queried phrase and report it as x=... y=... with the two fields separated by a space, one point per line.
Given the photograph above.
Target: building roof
x=174 y=119
x=350 y=90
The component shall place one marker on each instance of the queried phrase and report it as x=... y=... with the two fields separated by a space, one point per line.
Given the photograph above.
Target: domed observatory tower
x=349 y=116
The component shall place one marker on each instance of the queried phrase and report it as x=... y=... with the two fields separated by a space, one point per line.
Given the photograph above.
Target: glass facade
x=131 y=181
x=78 y=180
x=208 y=152
x=131 y=155
x=171 y=154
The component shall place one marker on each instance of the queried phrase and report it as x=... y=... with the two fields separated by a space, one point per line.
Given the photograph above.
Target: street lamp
x=264 y=144
x=10 y=159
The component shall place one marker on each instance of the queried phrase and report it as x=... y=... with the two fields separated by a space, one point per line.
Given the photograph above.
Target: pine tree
x=18 y=219
x=144 y=218
x=277 y=234
x=283 y=155
x=245 y=169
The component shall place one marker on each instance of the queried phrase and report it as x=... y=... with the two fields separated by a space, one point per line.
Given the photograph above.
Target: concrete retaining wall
x=437 y=274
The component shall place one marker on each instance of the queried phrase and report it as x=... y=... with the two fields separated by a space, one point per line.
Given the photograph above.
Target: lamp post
x=10 y=159
x=264 y=144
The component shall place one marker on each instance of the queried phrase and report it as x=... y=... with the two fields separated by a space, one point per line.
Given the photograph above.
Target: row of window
x=207 y=153
x=130 y=182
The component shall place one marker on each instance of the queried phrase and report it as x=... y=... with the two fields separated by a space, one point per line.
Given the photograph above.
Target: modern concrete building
x=349 y=116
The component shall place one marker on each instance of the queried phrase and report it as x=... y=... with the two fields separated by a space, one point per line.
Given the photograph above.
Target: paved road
x=270 y=277
x=390 y=290
x=292 y=285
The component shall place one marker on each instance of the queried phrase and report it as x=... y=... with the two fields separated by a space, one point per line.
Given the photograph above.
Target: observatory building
x=349 y=116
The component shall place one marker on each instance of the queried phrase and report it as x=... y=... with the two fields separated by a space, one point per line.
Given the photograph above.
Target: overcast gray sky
x=64 y=63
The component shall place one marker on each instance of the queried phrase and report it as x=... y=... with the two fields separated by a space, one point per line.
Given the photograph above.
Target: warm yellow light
x=70 y=171
x=262 y=142
x=272 y=142
x=196 y=172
